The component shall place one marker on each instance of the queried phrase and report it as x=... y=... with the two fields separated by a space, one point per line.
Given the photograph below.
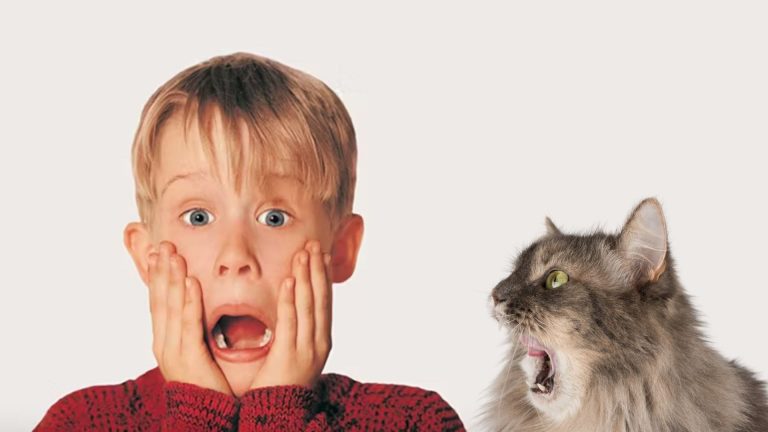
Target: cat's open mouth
x=544 y=363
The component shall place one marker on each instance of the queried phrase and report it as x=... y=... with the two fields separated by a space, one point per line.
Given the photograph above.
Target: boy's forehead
x=183 y=158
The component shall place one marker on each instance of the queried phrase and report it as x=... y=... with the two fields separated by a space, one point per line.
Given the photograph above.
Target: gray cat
x=604 y=338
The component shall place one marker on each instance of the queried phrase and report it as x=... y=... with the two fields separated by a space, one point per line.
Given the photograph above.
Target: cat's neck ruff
x=654 y=400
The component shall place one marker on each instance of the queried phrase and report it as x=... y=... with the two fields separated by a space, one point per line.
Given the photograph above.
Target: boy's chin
x=240 y=376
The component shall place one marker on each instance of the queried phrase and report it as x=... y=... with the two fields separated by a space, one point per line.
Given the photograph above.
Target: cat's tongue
x=243 y=332
x=535 y=348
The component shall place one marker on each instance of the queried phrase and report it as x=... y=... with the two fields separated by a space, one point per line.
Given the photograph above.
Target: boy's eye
x=556 y=279
x=197 y=217
x=274 y=218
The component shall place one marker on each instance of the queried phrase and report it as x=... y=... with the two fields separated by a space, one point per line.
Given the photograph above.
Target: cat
x=604 y=338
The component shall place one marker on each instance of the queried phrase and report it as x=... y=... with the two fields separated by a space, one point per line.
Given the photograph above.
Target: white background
x=473 y=123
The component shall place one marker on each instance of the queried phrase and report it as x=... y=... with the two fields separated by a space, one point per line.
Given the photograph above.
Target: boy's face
x=239 y=246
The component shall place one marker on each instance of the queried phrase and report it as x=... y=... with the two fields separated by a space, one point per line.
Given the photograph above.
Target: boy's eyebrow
x=182 y=176
x=278 y=200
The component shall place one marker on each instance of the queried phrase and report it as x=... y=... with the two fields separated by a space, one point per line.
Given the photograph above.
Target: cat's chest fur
x=653 y=403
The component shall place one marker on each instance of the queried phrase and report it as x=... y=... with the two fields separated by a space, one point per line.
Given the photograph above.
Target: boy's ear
x=346 y=245
x=139 y=244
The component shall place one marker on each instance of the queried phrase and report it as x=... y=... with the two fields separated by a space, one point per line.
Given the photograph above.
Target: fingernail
x=327 y=258
x=303 y=257
x=315 y=247
x=153 y=259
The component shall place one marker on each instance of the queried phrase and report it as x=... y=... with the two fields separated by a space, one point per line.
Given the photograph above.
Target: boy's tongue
x=242 y=332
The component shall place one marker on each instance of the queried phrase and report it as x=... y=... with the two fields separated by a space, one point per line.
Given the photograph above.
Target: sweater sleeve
x=67 y=414
x=281 y=408
x=188 y=408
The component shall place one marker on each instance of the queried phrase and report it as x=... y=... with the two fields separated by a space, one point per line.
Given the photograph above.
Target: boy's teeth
x=266 y=338
x=222 y=343
x=218 y=336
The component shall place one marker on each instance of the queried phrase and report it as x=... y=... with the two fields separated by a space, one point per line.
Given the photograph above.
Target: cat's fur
x=630 y=355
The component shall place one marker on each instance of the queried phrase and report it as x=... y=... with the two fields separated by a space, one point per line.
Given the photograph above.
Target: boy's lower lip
x=238 y=355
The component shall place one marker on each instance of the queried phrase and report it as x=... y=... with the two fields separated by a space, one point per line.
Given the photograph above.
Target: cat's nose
x=496 y=298
x=500 y=292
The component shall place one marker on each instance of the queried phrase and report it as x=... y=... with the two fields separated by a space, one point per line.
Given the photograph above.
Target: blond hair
x=292 y=121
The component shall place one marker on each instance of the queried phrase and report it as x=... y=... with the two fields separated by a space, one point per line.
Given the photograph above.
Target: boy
x=245 y=175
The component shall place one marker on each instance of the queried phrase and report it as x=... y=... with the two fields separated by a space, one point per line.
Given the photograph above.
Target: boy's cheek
x=273 y=255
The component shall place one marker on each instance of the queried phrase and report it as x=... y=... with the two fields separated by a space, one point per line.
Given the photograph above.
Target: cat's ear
x=643 y=242
x=552 y=229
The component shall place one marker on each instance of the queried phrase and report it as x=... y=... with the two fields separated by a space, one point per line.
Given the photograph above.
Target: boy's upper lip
x=236 y=309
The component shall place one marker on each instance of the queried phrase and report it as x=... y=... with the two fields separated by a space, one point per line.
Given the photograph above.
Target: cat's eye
x=274 y=218
x=556 y=279
x=197 y=217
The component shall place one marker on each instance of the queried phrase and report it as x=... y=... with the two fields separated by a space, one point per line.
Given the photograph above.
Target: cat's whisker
x=502 y=395
x=538 y=321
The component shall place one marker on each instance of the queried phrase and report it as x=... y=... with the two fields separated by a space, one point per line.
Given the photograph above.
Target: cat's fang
x=541 y=387
x=551 y=365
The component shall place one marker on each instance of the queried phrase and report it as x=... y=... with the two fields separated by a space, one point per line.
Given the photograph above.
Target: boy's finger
x=169 y=247
x=305 y=304
x=323 y=301
x=175 y=304
x=158 y=288
x=156 y=309
x=192 y=325
x=317 y=275
x=154 y=296
x=285 y=329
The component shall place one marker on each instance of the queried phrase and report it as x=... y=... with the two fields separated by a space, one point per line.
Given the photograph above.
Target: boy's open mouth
x=544 y=359
x=240 y=332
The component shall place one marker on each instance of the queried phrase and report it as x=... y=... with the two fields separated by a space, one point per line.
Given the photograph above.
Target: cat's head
x=589 y=310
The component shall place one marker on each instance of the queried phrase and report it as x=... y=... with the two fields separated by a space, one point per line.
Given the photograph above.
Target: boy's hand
x=175 y=301
x=303 y=330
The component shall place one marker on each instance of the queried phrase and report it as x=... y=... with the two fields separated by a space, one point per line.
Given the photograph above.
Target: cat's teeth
x=266 y=338
x=541 y=387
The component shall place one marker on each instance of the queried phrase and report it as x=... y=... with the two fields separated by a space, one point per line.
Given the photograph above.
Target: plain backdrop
x=473 y=122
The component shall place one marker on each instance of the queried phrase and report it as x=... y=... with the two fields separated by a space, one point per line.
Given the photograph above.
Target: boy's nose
x=237 y=260
x=242 y=270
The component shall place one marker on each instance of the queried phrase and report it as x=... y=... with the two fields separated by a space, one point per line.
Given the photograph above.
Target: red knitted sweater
x=337 y=402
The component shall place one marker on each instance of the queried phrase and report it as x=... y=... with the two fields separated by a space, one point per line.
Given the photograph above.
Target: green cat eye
x=556 y=279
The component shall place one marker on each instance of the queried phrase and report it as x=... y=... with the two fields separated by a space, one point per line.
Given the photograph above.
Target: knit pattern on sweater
x=336 y=403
